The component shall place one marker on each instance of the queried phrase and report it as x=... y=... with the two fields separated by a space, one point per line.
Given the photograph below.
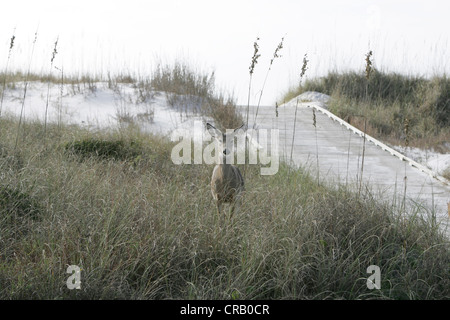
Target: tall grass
x=11 y=46
x=251 y=70
x=191 y=90
x=48 y=87
x=22 y=110
x=276 y=55
x=187 y=89
x=141 y=227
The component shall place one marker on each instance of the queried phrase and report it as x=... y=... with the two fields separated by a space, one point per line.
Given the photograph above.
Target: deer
x=227 y=182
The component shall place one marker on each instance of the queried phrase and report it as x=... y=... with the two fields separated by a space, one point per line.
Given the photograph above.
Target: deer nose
x=225 y=151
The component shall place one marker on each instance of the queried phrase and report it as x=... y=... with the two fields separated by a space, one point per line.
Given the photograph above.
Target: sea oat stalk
x=11 y=46
x=48 y=87
x=276 y=54
x=25 y=90
x=255 y=57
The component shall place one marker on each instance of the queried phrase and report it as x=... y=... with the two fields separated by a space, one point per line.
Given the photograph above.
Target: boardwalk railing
x=381 y=145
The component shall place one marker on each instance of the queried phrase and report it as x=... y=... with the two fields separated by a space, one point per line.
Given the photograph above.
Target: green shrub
x=105 y=149
x=13 y=201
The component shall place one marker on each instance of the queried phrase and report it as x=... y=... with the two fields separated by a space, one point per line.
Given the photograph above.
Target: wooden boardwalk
x=334 y=149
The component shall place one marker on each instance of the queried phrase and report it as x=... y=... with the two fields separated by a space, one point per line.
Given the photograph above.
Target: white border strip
x=393 y=152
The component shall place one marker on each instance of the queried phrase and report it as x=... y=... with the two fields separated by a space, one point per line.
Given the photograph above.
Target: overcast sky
x=130 y=36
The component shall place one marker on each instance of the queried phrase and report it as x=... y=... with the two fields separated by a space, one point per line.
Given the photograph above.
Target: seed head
x=54 y=51
x=369 y=68
x=11 y=45
x=256 y=55
x=314 y=118
x=276 y=53
x=304 y=66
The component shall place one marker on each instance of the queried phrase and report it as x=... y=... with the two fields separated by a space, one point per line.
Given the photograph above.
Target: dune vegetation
x=112 y=202
x=140 y=227
x=399 y=109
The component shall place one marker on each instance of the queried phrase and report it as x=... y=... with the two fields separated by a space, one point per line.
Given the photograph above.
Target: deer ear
x=241 y=129
x=214 y=132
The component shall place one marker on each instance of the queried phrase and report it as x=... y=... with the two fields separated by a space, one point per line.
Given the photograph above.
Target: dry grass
x=187 y=89
x=191 y=90
x=141 y=227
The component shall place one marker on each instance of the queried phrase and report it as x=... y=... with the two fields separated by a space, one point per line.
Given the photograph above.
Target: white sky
x=129 y=36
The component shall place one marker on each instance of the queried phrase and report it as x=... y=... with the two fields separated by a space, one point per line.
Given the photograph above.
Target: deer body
x=227 y=182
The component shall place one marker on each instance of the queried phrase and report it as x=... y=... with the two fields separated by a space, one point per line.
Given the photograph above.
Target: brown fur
x=227 y=182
